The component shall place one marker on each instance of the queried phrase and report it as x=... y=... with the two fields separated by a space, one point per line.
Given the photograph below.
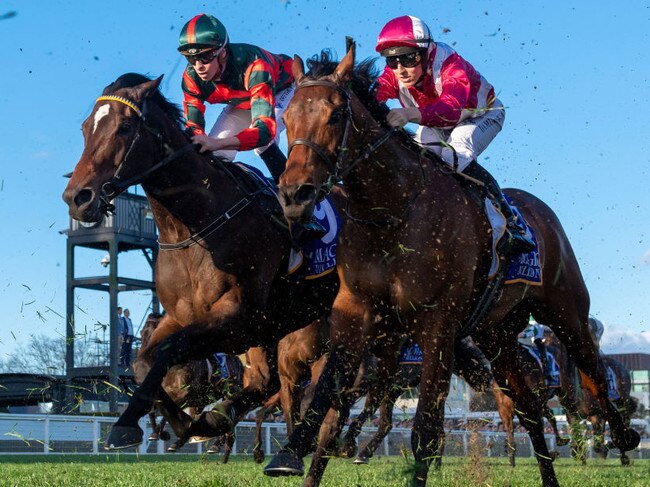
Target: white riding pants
x=232 y=120
x=469 y=138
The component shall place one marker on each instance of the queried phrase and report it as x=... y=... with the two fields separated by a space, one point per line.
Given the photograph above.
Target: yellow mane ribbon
x=124 y=101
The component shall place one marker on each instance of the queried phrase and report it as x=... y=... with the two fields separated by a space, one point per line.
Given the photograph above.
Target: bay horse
x=626 y=404
x=192 y=385
x=469 y=363
x=417 y=246
x=221 y=270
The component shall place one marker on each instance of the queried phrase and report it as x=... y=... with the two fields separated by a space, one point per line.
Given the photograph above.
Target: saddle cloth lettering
x=523 y=267
x=317 y=257
x=410 y=354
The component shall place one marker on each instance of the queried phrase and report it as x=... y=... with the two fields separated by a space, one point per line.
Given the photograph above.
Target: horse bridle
x=115 y=185
x=336 y=170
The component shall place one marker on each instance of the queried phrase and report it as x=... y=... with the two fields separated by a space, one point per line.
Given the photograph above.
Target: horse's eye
x=124 y=128
x=335 y=117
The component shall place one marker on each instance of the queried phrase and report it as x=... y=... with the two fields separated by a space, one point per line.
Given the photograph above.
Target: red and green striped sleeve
x=193 y=106
x=259 y=82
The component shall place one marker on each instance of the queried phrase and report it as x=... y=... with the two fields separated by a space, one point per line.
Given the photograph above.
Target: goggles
x=205 y=57
x=406 y=60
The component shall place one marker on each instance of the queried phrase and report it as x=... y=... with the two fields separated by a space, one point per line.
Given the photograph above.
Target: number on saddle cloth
x=524 y=268
x=317 y=257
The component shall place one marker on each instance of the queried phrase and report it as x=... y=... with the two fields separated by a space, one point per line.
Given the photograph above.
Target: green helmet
x=201 y=33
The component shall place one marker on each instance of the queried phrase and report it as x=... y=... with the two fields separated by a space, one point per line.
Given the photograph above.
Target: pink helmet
x=403 y=35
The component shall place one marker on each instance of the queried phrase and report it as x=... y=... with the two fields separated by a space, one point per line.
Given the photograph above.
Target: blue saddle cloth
x=222 y=370
x=524 y=267
x=552 y=380
x=612 y=389
x=410 y=354
x=317 y=257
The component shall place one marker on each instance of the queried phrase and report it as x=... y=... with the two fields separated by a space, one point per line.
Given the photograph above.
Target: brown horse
x=626 y=404
x=192 y=385
x=417 y=246
x=221 y=293
x=469 y=363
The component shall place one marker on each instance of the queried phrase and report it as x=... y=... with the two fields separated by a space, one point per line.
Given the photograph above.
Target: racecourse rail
x=67 y=434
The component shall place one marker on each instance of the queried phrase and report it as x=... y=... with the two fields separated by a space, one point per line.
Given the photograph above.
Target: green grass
x=195 y=470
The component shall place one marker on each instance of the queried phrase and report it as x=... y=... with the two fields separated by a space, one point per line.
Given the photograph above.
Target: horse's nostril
x=83 y=197
x=304 y=194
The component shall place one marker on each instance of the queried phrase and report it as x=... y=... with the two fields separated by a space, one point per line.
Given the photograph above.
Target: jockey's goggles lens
x=406 y=60
x=205 y=57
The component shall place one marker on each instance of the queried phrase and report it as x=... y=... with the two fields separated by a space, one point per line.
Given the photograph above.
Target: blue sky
x=574 y=77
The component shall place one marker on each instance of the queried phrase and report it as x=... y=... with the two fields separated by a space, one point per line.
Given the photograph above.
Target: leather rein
x=116 y=185
x=337 y=171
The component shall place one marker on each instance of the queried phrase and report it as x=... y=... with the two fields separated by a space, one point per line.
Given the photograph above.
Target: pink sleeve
x=386 y=87
x=446 y=110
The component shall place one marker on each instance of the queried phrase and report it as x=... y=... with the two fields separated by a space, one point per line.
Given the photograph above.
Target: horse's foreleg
x=383 y=427
x=194 y=342
x=427 y=435
x=528 y=406
x=346 y=348
x=506 y=409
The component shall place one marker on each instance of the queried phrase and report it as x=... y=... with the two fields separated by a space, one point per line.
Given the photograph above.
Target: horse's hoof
x=199 y=439
x=124 y=437
x=258 y=456
x=625 y=461
x=153 y=437
x=165 y=436
x=361 y=460
x=553 y=455
x=629 y=441
x=212 y=450
x=348 y=450
x=284 y=463
x=173 y=448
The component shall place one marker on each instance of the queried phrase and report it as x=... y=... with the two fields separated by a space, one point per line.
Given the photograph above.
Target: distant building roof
x=633 y=361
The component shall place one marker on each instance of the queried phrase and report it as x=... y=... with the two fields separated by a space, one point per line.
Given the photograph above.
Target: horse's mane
x=130 y=80
x=362 y=81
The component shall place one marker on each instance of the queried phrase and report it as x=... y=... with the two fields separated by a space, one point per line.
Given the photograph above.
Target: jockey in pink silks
x=455 y=107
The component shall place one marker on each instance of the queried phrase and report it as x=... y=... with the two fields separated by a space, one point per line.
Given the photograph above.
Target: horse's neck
x=187 y=195
x=388 y=181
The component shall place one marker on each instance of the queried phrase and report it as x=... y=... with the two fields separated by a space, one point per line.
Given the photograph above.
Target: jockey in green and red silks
x=255 y=85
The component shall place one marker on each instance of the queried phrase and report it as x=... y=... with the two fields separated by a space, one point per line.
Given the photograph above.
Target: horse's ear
x=298 y=68
x=344 y=69
x=148 y=88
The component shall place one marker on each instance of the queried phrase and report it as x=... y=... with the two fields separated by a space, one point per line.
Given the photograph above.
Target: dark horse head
x=115 y=134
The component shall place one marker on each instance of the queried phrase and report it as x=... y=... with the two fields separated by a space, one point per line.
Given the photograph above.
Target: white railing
x=57 y=434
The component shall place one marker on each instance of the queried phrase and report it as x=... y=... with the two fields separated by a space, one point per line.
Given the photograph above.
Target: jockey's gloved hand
x=398 y=117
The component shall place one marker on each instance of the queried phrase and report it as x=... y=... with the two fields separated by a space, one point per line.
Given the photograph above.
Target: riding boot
x=276 y=161
x=517 y=242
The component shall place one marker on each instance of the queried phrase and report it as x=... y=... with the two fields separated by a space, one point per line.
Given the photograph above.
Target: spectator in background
x=127 y=339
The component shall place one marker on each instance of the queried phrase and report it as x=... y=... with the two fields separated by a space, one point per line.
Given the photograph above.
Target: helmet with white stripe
x=403 y=35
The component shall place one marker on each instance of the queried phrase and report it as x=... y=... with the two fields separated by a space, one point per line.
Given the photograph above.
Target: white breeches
x=232 y=120
x=469 y=138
